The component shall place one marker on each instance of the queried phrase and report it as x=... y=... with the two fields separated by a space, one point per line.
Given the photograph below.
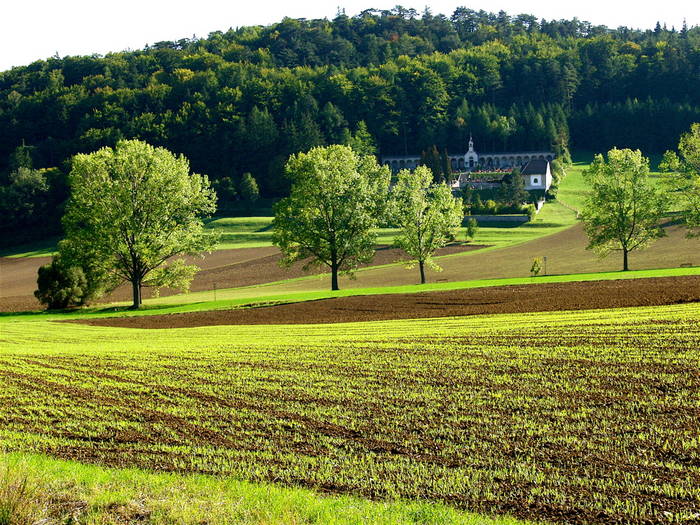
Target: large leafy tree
x=337 y=200
x=132 y=211
x=427 y=214
x=683 y=177
x=624 y=210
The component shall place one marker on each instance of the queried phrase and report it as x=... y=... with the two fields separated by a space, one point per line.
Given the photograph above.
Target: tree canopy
x=132 y=210
x=683 y=177
x=337 y=200
x=624 y=210
x=426 y=213
x=392 y=81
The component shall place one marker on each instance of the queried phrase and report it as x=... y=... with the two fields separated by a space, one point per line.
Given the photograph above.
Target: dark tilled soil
x=501 y=299
x=220 y=269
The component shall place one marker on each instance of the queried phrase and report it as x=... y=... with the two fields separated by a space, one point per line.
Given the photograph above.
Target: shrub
x=529 y=210
x=536 y=267
x=60 y=286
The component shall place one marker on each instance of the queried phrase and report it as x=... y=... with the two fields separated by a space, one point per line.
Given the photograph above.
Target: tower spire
x=471 y=142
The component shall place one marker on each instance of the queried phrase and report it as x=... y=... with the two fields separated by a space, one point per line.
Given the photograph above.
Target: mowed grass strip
x=256 y=296
x=583 y=417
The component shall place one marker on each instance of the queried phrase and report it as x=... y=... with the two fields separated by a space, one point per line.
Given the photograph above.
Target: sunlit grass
x=583 y=414
x=94 y=494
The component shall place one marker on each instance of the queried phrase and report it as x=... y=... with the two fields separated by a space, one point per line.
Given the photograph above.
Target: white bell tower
x=471 y=158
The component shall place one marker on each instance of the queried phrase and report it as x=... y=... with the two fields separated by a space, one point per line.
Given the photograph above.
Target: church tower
x=471 y=158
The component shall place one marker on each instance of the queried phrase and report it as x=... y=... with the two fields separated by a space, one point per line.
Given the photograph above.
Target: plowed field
x=583 y=417
x=500 y=299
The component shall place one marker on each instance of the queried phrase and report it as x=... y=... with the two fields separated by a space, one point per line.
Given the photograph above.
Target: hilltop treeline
x=243 y=100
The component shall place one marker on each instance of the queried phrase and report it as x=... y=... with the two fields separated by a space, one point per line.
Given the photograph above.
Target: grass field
x=255 y=232
x=60 y=491
x=250 y=232
x=580 y=417
x=573 y=188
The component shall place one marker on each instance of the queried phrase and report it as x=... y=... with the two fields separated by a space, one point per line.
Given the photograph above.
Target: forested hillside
x=243 y=100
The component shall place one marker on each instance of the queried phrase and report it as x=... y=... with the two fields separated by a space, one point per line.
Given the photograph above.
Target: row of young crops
x=577 y=416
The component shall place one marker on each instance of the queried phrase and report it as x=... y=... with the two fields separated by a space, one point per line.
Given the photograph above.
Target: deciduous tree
x=683 y=177
x=427 y=214
x=624 y=210
x=336 y=202
x=132 y=210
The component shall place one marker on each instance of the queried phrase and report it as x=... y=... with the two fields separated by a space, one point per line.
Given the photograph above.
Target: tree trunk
x=625 y=265
x=334 y=276
x=421 y=265
x=136 y=289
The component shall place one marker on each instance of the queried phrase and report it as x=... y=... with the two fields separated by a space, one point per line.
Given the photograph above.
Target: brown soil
x=501 y=299
x=220 y=269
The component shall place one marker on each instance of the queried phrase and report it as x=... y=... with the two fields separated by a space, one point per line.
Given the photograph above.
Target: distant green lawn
x=256 y=232
x=573 y=189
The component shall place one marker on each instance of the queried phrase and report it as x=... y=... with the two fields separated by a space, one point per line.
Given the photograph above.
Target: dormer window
x=535 y=180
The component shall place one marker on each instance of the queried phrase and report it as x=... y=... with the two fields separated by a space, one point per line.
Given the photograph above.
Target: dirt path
x=501 y=299
x=565 y=251
x=220 y=269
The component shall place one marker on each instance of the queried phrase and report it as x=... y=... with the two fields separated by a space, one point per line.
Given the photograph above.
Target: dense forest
x=397 y=81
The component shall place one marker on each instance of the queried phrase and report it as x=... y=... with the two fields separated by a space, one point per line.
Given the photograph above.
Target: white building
x=537 y=174
x=471 y=160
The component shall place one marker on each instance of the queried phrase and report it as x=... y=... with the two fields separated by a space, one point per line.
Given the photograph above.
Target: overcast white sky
x=36 y=29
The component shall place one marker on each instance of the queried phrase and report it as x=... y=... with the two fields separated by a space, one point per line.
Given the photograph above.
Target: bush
x=60 y=286
x=536 y=267
x=529 y=210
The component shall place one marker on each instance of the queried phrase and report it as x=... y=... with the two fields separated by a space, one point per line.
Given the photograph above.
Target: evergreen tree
x=249 y=188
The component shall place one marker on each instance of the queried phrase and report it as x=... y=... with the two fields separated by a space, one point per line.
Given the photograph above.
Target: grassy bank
x=62 y=491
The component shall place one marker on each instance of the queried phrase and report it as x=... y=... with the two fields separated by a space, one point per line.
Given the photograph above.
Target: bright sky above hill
x=37 y=29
